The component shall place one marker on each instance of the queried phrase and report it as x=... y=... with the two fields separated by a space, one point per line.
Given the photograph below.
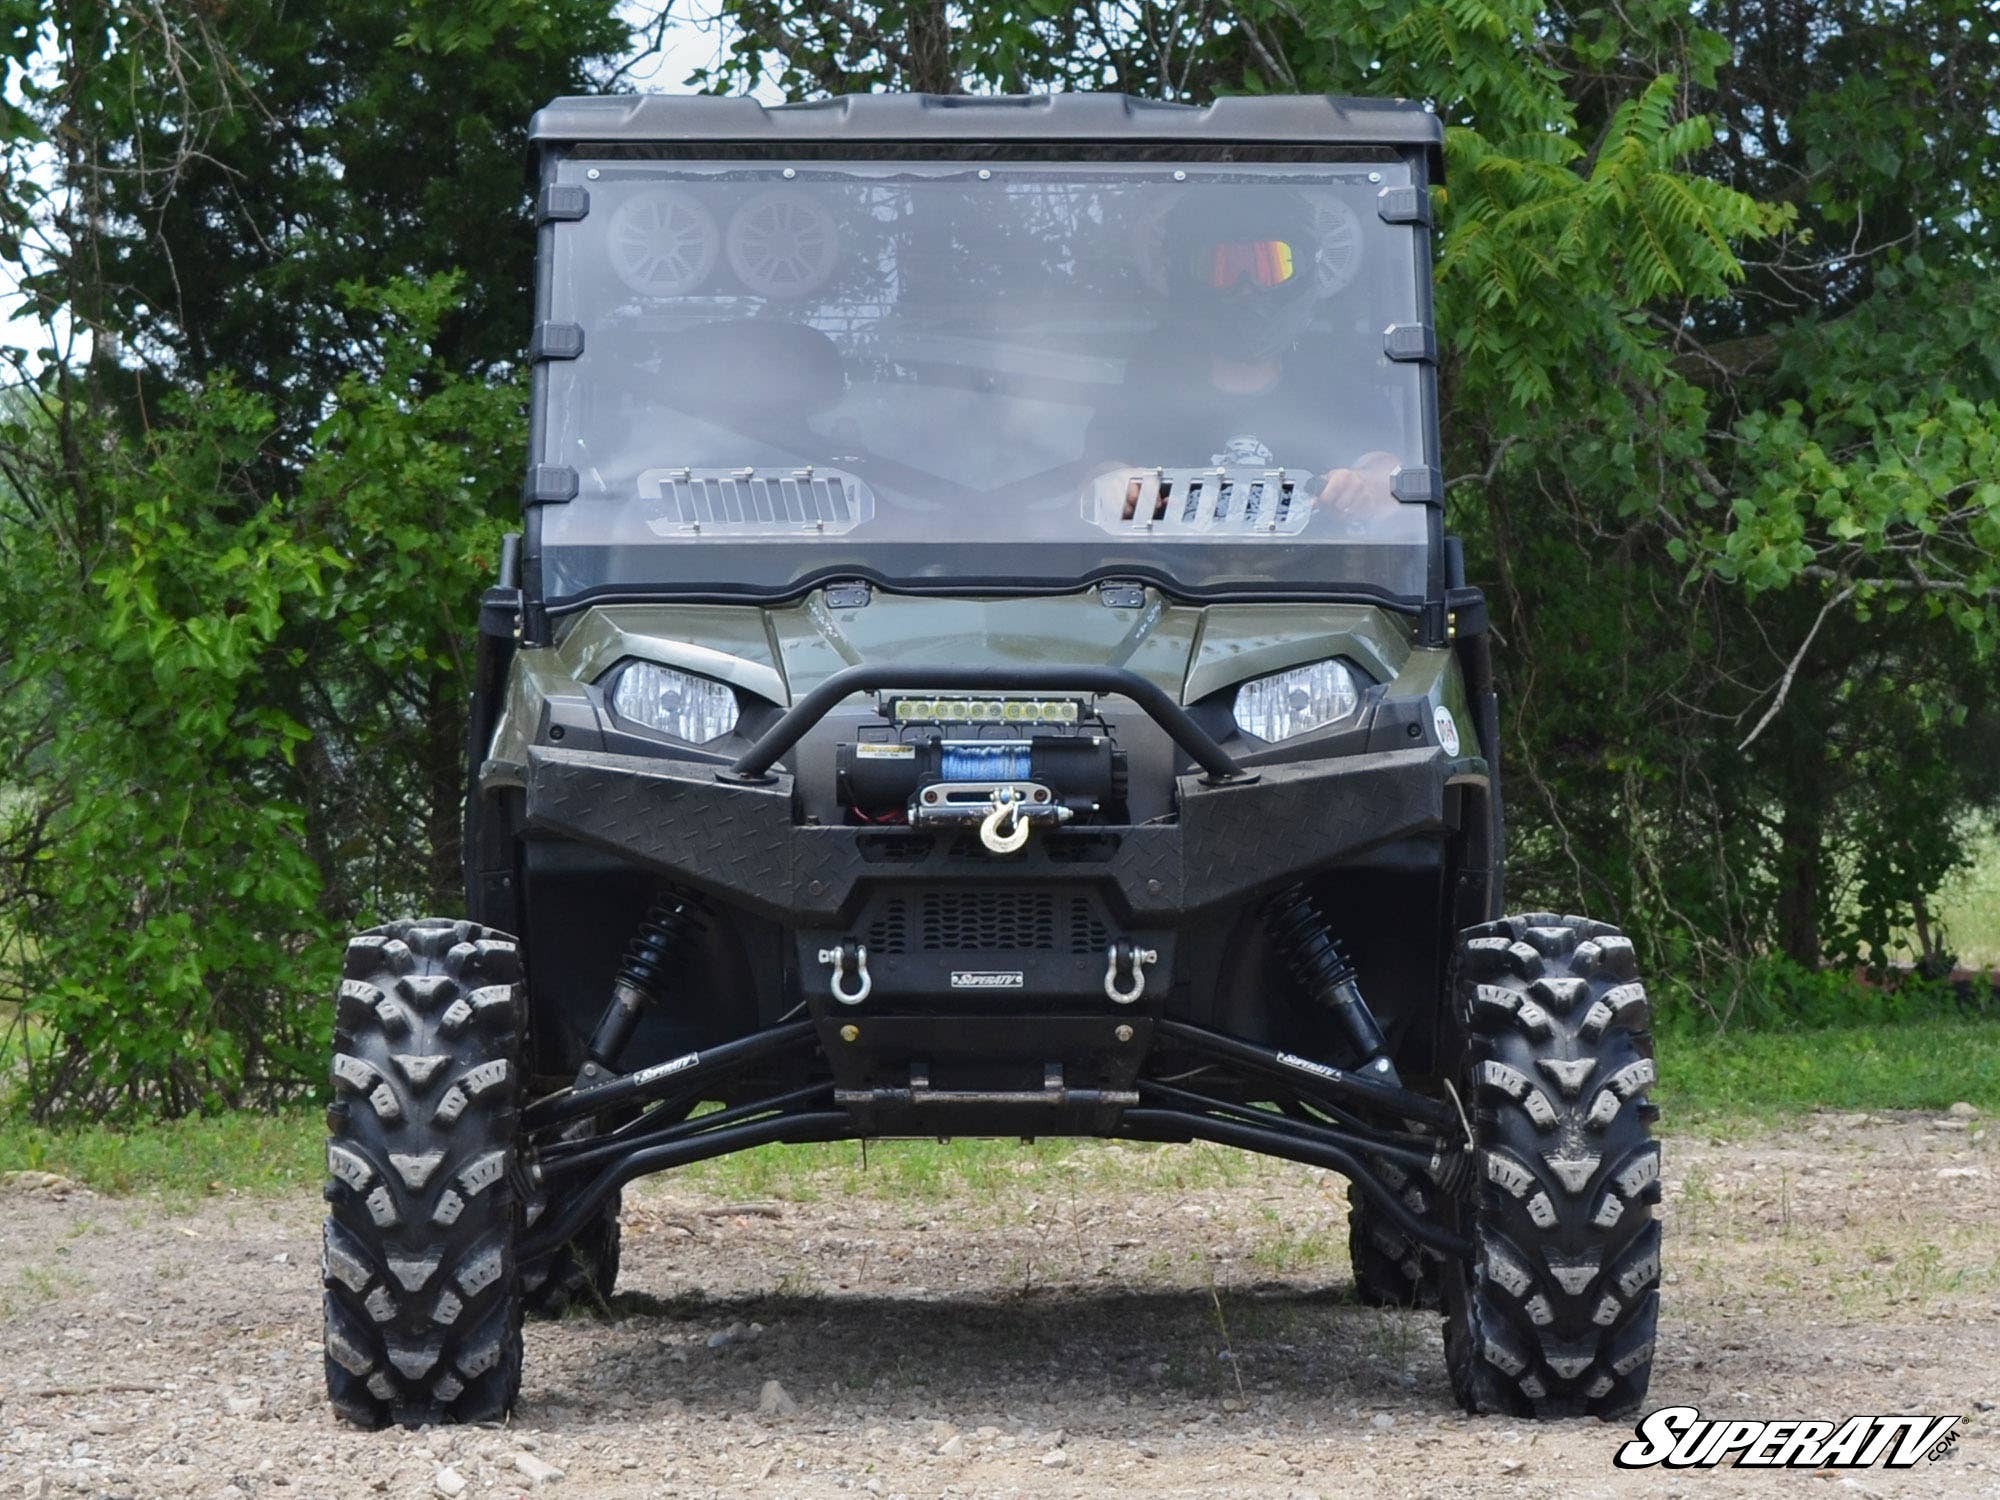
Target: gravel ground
x=1104 y=1330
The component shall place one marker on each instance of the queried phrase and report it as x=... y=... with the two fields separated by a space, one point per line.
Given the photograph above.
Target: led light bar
x=984 y=710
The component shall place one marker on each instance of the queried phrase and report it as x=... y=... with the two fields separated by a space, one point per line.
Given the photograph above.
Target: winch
x=967 y=761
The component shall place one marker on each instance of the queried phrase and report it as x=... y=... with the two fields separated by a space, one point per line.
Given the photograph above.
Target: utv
x=983 y=657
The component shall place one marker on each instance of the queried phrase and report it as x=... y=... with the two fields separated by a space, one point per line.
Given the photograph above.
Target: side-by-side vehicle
x=983 y=657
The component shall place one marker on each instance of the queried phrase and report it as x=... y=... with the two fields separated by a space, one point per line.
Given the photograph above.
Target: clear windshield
x=1024 y=371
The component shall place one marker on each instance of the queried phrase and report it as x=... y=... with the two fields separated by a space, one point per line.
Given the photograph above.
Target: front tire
x=581 y=1273
x=1390 y=1268
x=1555 y=1314
x=423 y=1306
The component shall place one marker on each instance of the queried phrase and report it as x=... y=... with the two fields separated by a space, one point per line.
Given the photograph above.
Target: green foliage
x=1968 y=904
x=412 y=483
x=171 y=899
x=1878 y=466
x=1772 y=993
x=243 y=521
x=243 y=163
x=1542 y=264
x=180 y=915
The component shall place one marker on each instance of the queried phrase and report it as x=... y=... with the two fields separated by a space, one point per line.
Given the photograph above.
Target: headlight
x=674 y=702
x=1290 y=703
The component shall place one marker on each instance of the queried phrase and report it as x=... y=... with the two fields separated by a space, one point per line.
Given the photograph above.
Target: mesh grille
x=890 y=931
x=1086 y=933
x=1000 y=920
x=988 y=919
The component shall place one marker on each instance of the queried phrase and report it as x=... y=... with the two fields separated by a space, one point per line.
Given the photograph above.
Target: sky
x=694 y=41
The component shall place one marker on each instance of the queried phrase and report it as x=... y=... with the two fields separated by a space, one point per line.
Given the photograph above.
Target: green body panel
x=777 y=653
x=535 y=678
x=1434 y=674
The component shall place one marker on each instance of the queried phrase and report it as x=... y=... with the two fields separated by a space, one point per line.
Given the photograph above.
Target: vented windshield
x=1019 y=372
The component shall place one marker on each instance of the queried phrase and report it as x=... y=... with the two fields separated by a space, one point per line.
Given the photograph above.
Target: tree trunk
x=933 y=60
x=1801 y=839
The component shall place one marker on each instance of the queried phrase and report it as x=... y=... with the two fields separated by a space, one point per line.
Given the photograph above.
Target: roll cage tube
x=755 y=763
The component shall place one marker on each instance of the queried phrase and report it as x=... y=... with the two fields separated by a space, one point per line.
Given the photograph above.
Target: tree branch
x=1792 y=669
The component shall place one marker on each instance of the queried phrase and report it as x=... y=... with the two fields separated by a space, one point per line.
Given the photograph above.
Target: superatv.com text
x=1680 y=1437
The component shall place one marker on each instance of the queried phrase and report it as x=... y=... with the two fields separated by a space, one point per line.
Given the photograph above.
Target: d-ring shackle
x=838 y=958
x=1139 y=958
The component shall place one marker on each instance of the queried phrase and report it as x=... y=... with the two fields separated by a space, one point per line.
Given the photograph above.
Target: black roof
x=1273 y=119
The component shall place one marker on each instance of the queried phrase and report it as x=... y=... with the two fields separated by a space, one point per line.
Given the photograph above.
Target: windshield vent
x=1201 y=502
x=754 y=502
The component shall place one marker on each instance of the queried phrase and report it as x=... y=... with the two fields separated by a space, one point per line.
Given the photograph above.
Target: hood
x=782 y=652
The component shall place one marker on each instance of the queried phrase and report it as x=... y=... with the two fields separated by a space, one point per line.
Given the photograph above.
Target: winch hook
x=1006 y=813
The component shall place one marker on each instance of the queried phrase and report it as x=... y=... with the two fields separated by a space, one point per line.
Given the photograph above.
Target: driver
x=1232 y=376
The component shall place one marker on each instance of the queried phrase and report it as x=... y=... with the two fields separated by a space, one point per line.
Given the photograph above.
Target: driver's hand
x=1115 y=492
x=1362 y=487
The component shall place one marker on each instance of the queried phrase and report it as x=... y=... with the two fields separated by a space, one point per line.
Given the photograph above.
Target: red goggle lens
x=1264 y=262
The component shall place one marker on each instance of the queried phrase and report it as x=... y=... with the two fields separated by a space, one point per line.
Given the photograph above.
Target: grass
x=1021 y=1177
x=1916 y=1065
x=1969 y=904
x=1706 y=1082
x=34 y=1285
x=177 y=1159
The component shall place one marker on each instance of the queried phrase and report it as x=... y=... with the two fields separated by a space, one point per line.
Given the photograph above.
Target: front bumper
x=990 y=974
x=1233 y=842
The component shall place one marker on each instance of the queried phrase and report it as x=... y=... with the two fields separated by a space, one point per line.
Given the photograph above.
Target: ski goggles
x=1264 y=262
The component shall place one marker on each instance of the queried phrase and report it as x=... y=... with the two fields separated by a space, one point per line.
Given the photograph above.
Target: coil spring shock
x=1324 y=972
x=642 y=976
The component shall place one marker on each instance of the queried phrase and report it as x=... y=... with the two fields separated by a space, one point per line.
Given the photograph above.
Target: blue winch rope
x=1000 y=760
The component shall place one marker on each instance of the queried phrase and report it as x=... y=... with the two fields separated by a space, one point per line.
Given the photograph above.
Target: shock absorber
x=642 y=977
x=1324 y=972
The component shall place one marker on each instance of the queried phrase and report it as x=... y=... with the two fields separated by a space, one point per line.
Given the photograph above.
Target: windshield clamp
x=1403 y=205
x=1417 y=484
x=556 y=341
x=562 y=202
x=549 y=484
x=1410 y=343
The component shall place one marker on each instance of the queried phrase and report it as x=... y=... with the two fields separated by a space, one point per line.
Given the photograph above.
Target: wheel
x=580 y=1274
x=423 y=1305
x=1390 y=1268
x=1554 y=1315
